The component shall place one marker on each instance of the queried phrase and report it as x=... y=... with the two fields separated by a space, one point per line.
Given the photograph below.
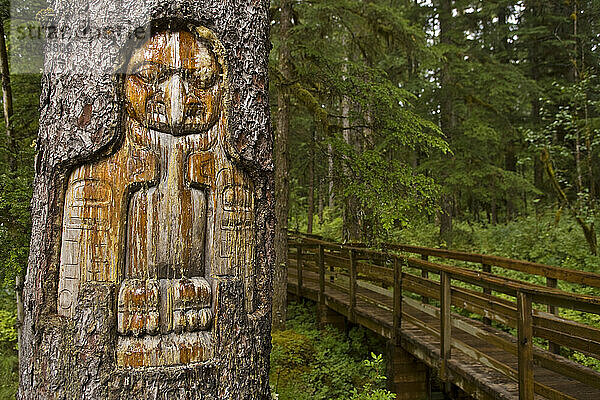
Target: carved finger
x=138 y=307
x=205 y=317
x=191 y=320
x=179 y=321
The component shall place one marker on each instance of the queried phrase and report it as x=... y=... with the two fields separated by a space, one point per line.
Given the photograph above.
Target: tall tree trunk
x=140 y=190
x=351 y=226
x=588 y=229
x=321 y=200
x=7 y=100
x=330 y=203
x=534 y=72
x=282 y=180
x=311 y=185
x=447 y=118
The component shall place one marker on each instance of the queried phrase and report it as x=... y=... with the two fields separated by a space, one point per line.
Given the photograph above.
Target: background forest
x=456 y=123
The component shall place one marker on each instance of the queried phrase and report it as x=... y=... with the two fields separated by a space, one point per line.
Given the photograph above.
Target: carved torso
x=165 y=213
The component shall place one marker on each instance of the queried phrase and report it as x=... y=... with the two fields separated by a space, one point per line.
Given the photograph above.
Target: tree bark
x=87 y=120
x=321 y=200
x=282 y=180
x=331 y=201
x=447 y=117
x=588 y=229
x=352 y=222
x=7 y=99
x=311 y=185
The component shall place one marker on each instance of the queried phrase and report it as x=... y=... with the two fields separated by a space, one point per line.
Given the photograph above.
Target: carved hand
x=147 y=307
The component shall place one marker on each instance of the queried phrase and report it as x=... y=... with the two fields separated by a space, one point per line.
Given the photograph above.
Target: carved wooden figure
x=167 y=212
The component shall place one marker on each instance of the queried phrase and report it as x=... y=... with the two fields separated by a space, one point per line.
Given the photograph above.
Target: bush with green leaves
x=308 y=363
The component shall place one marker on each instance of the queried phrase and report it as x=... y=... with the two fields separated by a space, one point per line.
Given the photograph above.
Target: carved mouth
x=193 y=119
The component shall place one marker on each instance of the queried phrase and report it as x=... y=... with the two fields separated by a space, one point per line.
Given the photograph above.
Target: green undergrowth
x=541 y=238
x=308 y=363
x=9 y=360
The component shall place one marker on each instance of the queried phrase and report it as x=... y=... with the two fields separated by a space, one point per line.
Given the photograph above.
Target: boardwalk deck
x=484 y=360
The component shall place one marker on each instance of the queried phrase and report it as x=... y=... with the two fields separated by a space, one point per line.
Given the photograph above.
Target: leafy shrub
x=9 y=360
x=308 y=363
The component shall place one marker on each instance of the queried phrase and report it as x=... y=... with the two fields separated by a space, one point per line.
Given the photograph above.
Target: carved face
x=174 y=84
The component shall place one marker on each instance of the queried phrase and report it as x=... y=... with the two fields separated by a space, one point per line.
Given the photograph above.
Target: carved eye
x=202 y=78
x=148 y=72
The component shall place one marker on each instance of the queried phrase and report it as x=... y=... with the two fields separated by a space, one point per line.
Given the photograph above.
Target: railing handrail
x=540 y=294
x=548 y=271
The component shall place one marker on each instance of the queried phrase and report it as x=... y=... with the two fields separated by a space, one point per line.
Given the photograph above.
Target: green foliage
x=16 y=179
x=308 y=363
x=352 y=94
x=370 y=391
x=9 y=362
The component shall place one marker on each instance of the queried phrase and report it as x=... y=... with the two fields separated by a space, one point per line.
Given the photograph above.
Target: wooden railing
x=387 y=280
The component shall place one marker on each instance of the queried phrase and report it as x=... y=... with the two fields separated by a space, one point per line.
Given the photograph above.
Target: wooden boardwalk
x=457 y=320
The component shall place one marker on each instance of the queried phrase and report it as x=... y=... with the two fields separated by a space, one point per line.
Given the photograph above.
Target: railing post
x=552 y=283
x=332 y=271
x=352 y=291
x=525 y=346
x=424 y=274
x=299 y=264
x=321 y=261
x=487 y=268
x=445 y=324
x=397 y=301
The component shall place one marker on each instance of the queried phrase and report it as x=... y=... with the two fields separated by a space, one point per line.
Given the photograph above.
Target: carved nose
x=175 y=93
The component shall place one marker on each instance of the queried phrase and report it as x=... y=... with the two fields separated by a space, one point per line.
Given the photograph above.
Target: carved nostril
x=194 y=109
x=175 y=93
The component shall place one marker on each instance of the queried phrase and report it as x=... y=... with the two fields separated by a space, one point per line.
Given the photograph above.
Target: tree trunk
x=311 y=186
x=351 y=228
x=330 y=203
x=7 y=100
x=447 y=118
x=282 y=180
x=321 y=200
x=150 y=271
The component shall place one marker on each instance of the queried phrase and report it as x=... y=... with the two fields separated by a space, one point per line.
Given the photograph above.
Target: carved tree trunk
x=150 y=272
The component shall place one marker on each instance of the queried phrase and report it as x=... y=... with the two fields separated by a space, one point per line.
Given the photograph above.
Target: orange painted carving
x=168 y=212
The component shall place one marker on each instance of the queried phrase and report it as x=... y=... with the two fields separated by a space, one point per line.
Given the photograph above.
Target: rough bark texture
x=447 y=117
x=311 y=186
x=282 y=179
x=66 y=357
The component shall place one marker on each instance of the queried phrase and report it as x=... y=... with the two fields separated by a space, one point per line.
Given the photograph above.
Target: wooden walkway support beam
x=321 y=265
x=408 y=377
x=445 y=324
x=525 y=346
x=299 y=266
x=397 y=311
x=352 y=292
x=425 y=274
x=553 y=283
x=488 y=269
